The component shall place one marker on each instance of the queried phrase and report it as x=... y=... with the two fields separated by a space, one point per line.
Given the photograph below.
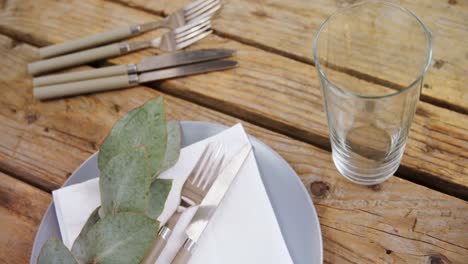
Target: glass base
x=365 y=176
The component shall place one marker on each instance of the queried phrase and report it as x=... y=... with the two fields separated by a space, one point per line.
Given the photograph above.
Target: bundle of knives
x=187 y=25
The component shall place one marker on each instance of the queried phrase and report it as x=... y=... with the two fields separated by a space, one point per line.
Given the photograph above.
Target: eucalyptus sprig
x=140 y=146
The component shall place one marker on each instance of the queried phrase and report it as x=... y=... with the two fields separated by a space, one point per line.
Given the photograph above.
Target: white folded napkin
x=73 y=206
x=243 y=229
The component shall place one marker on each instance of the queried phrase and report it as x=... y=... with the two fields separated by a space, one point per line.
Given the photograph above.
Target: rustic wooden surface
x=43 y=142
x=334 y=196
x=395 y=221
x=283 y=97
x=21 y=210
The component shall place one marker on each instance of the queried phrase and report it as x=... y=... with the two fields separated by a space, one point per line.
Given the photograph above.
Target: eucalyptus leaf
x=158 y=195
x=121 y=238
x=145 y=127
x=125 y=183
x=55 y=252
x=173 y=145
x=79 y=246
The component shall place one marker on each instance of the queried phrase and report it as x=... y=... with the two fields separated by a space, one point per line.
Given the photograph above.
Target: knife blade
x=181 y=58
x=146 y=64
x=210 y=203
x=185 y=70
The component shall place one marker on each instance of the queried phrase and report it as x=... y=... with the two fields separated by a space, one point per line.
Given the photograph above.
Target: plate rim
x=252 y=138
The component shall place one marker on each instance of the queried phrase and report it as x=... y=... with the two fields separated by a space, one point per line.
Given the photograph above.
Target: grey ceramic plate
x=292 y=205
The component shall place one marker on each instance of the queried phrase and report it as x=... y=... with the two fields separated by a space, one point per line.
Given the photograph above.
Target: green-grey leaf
x=120 y=238
x=173 y=146
x=55 y=252
x=79 y=246
x=125 y=182
x=158 y=195
x=145 y=127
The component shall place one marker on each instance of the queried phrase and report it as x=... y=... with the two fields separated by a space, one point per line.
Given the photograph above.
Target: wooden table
x=418 y=216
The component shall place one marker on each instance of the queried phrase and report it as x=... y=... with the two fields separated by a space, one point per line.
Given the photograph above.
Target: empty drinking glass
x=371 y=59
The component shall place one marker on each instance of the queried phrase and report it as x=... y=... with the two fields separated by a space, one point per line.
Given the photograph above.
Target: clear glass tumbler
x=371 y=58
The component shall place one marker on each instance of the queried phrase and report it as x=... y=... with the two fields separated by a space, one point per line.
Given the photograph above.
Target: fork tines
x=191 y=33
x=201 y=8
x=208 y=166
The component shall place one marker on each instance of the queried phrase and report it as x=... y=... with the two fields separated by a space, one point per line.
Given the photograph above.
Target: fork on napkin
x=244 y=229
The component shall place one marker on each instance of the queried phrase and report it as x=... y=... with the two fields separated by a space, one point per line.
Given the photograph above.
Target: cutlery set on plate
x=205 y=187
x=187 y=26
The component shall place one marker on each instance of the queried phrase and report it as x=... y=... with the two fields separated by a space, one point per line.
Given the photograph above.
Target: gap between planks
x=264 y=122
x=37 y=185
x=296 y=133
x=261 y=121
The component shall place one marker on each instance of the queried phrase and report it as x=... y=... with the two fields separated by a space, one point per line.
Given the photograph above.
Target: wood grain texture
x=268 y=89
x=280 y=94
x=395 y=222
x=288 y=28
x=21 y=210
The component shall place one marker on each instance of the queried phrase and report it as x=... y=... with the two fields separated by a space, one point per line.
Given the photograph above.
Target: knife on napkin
x=209 y=204
x=169 y=219
x=146 y=64
x=128 y=80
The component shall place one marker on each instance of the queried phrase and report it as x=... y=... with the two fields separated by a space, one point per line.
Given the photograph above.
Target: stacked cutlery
x=189 y=24
x=209 y=205
x=123 y=76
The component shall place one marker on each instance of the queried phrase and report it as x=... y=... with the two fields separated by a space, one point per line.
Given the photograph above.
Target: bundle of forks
x=186 y=26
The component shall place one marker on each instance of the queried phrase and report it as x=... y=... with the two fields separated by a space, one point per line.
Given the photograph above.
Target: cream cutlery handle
x=184 y=254
x=157 y=247
x=83 y=75
x=83 y=87
x=88 y=42
x=77 y=58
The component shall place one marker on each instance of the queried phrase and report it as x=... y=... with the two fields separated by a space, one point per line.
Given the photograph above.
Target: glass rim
x=397 y=92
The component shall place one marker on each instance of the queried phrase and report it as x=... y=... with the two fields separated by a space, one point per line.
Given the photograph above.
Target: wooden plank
x=268 y=89
x=21 y=210
x=392 y=222
x=288 y=28
x=281 y=99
